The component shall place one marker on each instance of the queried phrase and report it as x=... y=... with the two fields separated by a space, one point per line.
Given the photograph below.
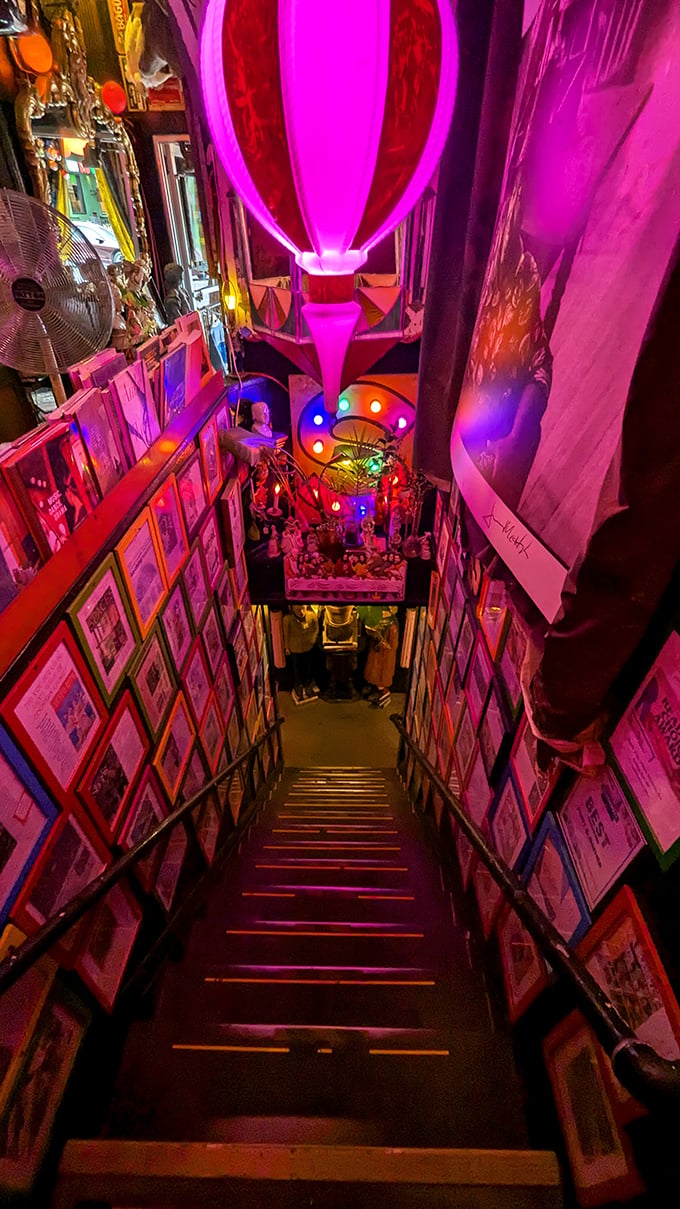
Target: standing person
x=300 y=630
x=382 y=657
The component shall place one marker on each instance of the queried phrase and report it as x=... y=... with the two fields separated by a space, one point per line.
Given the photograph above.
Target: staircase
x=324 y=1036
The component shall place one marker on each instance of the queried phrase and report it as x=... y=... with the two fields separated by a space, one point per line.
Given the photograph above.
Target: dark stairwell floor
x=327 y=993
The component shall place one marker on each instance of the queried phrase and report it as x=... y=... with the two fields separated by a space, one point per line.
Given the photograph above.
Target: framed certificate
x=489 y=897
x=552 y=883
x=224 y=689
x=535 y=785
x=169 y=528
x=464 y=741
x=212 y=549
x=232 y=516
x=110 y=777
x=192 y=494
x=177 y=628
x=601 y=832
x=20 y=1008
x=212 y=735
x=153 y=681
x=210 y=454
x=478 y=680
x=148 y=809
x=196 y=585
x=141 y=563
x=466 y=641
x=493 y=730
x=170 y=868
x=207 y=826
x=174 y=749
x=108 y=943
x=478 y=794
x=525 y=973
x=27 y=815
x=492 y=613
x=212 y=637
x=196 y=681
x=103 y=620
x=56 y=712
x=646 y=747
x=508 y=826
x=225 y=600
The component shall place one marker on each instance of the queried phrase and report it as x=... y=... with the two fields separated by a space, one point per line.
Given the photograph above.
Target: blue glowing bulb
x=318 y=420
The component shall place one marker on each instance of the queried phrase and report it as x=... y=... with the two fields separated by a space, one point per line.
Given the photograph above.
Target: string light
x=343 y=405
x=318 y=420
x=402 y=422
x=335 y=506
x=376 y=406
x=318 y=447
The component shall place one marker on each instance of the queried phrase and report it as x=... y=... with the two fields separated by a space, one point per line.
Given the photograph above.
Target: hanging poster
x=601 y=833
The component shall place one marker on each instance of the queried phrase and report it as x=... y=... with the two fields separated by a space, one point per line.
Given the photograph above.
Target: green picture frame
x=153 y=681
x=104 y=623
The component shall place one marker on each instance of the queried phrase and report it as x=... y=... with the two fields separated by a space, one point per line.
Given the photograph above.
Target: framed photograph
x=177 y=628
x=153 y=681
x=207 y=824
x=535 y=785
x=212 y=637
x=174 y=748
x=103 y=621
x=20 y=1008
x=170 y=867
x=196 y=585
x=224 y=689
x=232 y=516
x=508 y=826
x=141 y=563
x=600 y=1154
x=466 y=641
x=493 y=730
x=601 y=832
x=110 y=777
x=212 y=549
x=240 y=577
x=195 y=776
x=56 y=712
x=210 y=453
x=644 y=745
x=478 y=681
x=196 y=681
x=72 y=857
x=31 y=1107
x=478 y=794
x=492 y=613
x=212 y=734
x=525 y=973
x=148 y=809
x=192 y=494
x=169 y=528
x=27 y=815
x=225 y=599
x=433 y=597
x=233 y=729
x=489 y=897
x=108 y=943
x=236 y=794
x=442 y=547
x=464 y=741
x=551 y=880
x=510 y=662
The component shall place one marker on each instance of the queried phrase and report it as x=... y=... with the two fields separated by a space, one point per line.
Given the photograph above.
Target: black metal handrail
x=16 y=964
x=652 y=1079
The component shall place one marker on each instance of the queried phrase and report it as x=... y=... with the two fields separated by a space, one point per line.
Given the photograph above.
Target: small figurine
x=426 y=546
x=368 y=532
x=175 y=301
x=291 y=543
x=312 y=542
x=273 y=545
x=260 y=414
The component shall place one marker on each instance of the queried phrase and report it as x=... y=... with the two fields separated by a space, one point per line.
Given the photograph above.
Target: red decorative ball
x=113 y=96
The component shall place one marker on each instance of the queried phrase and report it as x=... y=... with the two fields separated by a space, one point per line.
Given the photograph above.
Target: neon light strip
x=346 y=868
x=331 y=982
x=411 y=1053
x=323 y=845
x=387 y=898
x=236 y=1049
x=341 y=935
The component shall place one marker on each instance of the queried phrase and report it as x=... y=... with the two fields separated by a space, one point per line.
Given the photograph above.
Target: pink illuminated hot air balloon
x=329 y=117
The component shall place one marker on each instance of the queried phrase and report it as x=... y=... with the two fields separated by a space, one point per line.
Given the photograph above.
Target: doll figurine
x=260 y=414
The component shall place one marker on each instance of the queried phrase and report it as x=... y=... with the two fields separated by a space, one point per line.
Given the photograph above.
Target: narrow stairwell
x=324 y=1019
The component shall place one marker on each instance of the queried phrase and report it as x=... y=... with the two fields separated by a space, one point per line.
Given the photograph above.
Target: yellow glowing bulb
x=335 y=506
x=376 y=406
x=231 y=302
x=318 y=447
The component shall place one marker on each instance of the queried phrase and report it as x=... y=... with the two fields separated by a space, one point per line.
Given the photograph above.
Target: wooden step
x=181 y=1175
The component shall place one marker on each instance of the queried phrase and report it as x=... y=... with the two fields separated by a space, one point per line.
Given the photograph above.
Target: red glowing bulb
x=113 y=96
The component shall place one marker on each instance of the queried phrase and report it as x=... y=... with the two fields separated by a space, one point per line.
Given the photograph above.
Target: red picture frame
x=147 y=810
x=168 y=521
x=535 y=786
x=108 y=943
x=174 y=749
x=114 y=769
x=525 y=973
x=212 y=734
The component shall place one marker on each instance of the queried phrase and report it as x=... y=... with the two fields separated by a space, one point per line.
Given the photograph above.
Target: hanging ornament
x=329 y=119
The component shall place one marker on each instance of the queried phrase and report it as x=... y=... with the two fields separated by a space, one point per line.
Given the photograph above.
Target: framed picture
x=141 y=563
x=464 y=741
x=212 y=549
x=439 y=513
x=510 y=662
x=478 y=681
x=56 y=712
x=441 y=619
x=20 y=1008
x=196 y=681
x=148 y=809
x=442 y=548
x=196 y=585
x=478 y=794
x=236 y=794
x=133 y=396
x=508 y=827
x=27 y=815
x=525 y=973
x=644 y=745
x=212 y=637
x=169 y=528
x=111 y=774
x=225 y=600
x=458 y=611
x=455 y=698
x=432 y=599
x=177 y=628
x=240 y=649
x=232 y=516
x=233 y=729
x=600 y=1154
x=72 y=857
x=240 y=577
x=212 y=734
x=174 y=748
x=192 y=494
x=108 y=943
x=173 y=384
x=207 y=824
x=195 y=776
x=466 y=641
x=552 y=883
x=601 y=833
x=210 y=453
x=489 y=897
x=493 y=730
x=153 y=681
x=466 y=857
x=492 y=613
x=31 y=1107
x=103 y=621
x=170 y=867
x=224 y=689
x=535 y=785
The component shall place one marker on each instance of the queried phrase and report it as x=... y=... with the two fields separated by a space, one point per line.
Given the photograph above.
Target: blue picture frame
x=511 y=839
x=564 y=899
x=23 y=837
